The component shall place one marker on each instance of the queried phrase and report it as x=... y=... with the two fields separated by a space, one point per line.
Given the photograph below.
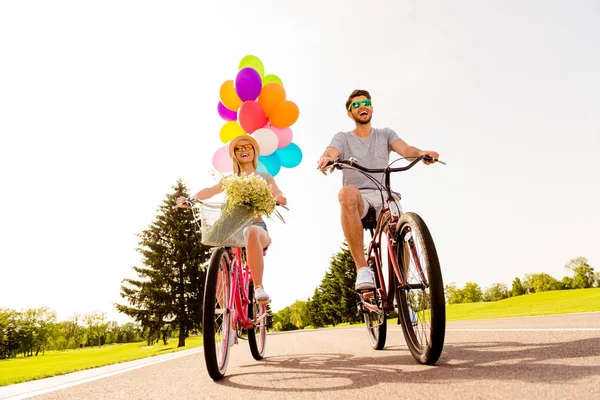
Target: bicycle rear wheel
x=216 y=317
x=370 y=304
x=420 y=300
x=257 y=337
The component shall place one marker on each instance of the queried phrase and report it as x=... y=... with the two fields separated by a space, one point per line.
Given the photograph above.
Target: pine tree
x=168 y=293
x=517 y=288
x=315 y=310
x=336 y=294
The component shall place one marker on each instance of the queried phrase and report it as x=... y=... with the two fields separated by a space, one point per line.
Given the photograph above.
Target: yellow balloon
x=271 y=78
x=229 y=130
x=229 y=97
x=253 y=62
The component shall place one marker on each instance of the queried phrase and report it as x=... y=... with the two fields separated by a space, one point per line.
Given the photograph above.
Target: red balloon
x=251 y=116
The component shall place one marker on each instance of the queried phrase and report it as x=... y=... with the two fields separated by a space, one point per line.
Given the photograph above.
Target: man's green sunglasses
x=356 y=104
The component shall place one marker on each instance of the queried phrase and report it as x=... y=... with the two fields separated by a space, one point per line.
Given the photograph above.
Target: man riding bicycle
x=372 y=147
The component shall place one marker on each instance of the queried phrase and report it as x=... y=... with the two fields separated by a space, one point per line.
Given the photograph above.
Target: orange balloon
x=285 y=114
x=229 y=97
x=271 y=95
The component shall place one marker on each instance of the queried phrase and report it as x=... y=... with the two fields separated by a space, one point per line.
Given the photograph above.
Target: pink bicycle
x=230 y=311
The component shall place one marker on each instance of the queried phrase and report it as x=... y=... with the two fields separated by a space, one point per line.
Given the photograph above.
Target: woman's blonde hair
x=237 y=168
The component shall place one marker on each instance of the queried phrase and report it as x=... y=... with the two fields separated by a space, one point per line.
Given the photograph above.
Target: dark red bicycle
x=415 y=286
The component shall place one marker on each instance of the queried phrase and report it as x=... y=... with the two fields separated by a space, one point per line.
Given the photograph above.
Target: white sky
x=104 y=105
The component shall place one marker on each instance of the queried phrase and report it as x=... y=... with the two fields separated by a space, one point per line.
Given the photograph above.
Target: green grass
x=23 y=369
x=545 y=303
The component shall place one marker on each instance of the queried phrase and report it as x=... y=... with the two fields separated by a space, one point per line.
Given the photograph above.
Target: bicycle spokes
x=217 y=316
x=420 y=294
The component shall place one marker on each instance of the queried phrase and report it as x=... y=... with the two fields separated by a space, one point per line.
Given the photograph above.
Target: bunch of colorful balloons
x=256 y=104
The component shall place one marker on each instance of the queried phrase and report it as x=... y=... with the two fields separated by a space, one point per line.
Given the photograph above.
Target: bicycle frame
x=387 y=221
x=239 y=301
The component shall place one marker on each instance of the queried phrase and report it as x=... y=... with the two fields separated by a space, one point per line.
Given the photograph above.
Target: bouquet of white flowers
x=247 y=196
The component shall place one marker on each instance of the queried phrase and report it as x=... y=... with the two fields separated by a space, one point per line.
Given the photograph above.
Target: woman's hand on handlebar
x=182 y=202
x=281 y=201
x=185 y=202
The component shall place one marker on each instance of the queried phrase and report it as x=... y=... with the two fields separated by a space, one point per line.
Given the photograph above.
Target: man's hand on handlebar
x=434 y=155
x=322 y=165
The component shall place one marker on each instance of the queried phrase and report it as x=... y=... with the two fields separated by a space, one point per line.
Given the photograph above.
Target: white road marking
x=523 y=330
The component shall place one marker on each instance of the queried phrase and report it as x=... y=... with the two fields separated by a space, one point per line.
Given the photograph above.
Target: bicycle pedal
x=362 y=292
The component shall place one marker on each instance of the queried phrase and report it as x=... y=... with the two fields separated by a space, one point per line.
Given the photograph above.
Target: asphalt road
x=553 y=357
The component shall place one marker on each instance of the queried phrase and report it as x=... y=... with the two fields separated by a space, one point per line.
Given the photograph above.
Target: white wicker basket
x=224 y=230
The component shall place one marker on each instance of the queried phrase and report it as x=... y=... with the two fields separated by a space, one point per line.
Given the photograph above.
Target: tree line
x=334 y=300
x=33 y=331
x=164 y=298
x=583 y=277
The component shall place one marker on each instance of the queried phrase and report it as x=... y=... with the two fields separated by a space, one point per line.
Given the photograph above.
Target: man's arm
x=408 y=151
x=330 y=154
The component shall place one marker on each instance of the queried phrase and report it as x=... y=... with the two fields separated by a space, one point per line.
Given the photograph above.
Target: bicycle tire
x=216 y=336
x=425 y=329
x=257 y=337
x=377 y=334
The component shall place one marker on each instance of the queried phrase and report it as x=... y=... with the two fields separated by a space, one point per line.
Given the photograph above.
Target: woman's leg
x=258 y=239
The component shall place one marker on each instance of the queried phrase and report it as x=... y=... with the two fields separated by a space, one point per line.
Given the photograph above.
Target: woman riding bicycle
x=244 y=151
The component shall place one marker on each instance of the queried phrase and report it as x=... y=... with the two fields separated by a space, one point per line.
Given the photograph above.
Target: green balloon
x=253 y=62
x=271 y=78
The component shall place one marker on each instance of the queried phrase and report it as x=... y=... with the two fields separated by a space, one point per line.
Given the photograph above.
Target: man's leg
x=352 y=206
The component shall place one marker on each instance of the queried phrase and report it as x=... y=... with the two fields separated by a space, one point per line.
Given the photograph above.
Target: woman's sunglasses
x=356 y=104
x=242 y=147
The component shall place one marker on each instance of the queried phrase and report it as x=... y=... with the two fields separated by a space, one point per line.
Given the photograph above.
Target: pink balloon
x=221 y=160
x=284 y=135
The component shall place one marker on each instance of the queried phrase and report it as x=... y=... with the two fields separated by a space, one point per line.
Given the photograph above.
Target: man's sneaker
x=413 y=317
x=364 y=279
x=260 y=294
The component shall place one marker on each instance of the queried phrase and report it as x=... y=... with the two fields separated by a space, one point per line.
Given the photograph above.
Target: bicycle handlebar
x=354 y=163
x=191 y=203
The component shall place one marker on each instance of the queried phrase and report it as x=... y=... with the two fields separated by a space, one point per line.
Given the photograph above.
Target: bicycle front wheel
x=420 y=298
x=257 y=337
x=216 y=317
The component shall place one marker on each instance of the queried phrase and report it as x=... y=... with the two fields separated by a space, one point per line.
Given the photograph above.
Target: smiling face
x=244 y=152
x=360 y=109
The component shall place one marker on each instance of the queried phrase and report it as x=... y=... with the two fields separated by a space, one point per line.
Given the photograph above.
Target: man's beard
x=361 y=122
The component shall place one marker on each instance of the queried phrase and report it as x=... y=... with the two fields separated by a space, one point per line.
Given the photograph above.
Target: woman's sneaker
x=260 y=294
x=364 y=279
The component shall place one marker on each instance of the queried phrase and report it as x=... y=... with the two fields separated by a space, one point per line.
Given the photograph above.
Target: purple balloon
x=226 y=113
x=248 y=84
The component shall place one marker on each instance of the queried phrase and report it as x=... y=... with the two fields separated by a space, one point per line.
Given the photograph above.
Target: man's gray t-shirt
x=371 y=152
